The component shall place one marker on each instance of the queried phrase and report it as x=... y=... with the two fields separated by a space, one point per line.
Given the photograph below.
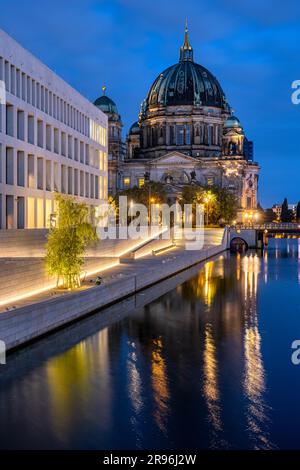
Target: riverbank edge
x=26 y=324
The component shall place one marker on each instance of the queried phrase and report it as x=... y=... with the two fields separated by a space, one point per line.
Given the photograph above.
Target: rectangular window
x=75 y=182
x=48 y=212
x=48 y=175
x=70 y=180
x=48 y=137
x=40 y=133
x=40 y=213
x=56 y=177
x=96 y=187
x=30 y=212
x=56 y=141
x=63 y=179
x=9 y=166
x=30 y=172
x=141 y=182
x=126 y=182
x=9 y=212
x=179 y=135
x=40 y=173
x=210 y=181
x=70 y=146
x=172 y=135
x=76 y=150
x=63 y=144
x=87 y=185
x=30 y=130
x=20 y=169
x=188 y=135
x=81 y=183
x=9 y=120
x=20 y=212
x=20 y=125
x=81 y=152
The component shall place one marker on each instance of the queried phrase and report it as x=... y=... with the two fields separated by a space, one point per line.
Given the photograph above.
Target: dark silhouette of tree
x=286 y=214
x=269 y=216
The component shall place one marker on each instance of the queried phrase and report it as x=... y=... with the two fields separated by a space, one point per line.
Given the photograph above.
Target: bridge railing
x=270 y=226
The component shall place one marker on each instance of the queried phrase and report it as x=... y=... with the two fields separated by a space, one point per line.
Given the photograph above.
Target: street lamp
x=151 y=201
x=208 y=197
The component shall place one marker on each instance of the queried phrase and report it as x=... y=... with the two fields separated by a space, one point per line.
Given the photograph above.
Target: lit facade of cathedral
x=185 y=135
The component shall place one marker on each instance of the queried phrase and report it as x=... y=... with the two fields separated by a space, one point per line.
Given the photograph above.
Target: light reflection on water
x=194 y=368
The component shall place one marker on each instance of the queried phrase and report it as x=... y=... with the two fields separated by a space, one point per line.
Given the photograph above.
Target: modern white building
x=52 y=139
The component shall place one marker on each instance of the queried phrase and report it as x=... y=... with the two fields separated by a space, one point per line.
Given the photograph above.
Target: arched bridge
x=256 y=235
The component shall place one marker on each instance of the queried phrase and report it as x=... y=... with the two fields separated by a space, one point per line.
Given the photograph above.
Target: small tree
x=67 y=241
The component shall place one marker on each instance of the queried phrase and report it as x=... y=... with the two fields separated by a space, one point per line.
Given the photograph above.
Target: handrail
x=270 y=226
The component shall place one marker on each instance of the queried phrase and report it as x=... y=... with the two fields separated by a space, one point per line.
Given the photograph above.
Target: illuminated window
x=104 y=161
x=210 y=181
x=48 y=212
x=141 y=182
x=97 y=133
x=126 y=181
x=40 y=213
x=100 y=160
x=179 y=135
x=30 y=212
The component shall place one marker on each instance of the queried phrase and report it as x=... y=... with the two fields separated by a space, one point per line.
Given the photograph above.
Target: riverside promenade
x=34 y=316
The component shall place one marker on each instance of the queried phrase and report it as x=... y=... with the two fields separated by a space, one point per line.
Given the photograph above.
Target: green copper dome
x=185 y=83
x=106 y=104
x=232 y=123
x=135 y=128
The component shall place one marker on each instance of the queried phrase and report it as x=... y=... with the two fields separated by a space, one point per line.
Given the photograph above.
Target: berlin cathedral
x=186 y=134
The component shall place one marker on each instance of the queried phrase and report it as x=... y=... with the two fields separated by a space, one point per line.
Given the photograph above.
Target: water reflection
x=254 y=373
x=159 y=385
x=210 y=386
x=187 y=370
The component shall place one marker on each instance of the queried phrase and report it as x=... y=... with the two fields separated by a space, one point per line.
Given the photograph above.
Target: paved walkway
x=138 y=267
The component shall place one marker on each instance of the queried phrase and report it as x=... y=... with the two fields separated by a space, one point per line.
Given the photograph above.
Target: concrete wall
x=31 y=243
x=26 y=323
x=27 y=275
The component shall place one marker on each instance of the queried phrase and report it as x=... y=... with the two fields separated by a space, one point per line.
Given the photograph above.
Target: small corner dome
x=106 y=104
x=135 y=128
x=232 y=123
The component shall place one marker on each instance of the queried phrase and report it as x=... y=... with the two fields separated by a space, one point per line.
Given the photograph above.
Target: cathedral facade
x=185 y=135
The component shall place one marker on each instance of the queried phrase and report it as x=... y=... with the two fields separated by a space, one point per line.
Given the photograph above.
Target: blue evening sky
x=252 y=46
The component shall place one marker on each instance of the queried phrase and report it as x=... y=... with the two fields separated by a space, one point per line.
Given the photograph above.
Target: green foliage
x=222 y=205
x=152 y=190
x=226 y=205
x=269 y=216
x=67 y=241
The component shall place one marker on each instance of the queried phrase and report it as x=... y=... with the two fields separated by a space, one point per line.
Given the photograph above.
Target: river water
x=201 y=361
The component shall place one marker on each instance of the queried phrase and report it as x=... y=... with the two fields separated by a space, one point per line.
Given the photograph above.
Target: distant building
x=276 y=208
x=116 y=147
x=52 y=139
x=186 y=134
